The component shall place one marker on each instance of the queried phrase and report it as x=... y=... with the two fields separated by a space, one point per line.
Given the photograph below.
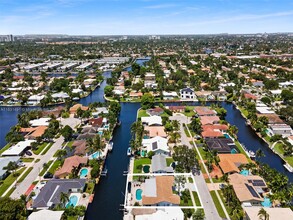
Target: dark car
x=28 y=153
x=48 y=175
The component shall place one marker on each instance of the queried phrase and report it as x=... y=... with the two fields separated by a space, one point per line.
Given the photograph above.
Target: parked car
x=48 y=175
x=28 y=153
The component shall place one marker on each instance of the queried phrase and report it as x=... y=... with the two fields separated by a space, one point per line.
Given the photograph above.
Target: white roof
x=77 y=90
x=156 y=143
x=17 y=149
x=274 y=213
x=150 y=188
x=36 y=97
x=276 y=92
x=167 y=214
x=60 y=95
x=152 y=120
x=174 y=94
x=4 y=161
x=265 y=110
x=46 y=214
x=40 y=122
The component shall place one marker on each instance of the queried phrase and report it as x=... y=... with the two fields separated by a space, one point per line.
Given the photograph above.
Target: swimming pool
x=95 y=155
x=100 y=132
x=72 y=201
x=266 y=203
x=226 y=135
x=83 y=172
x=138 y=194
x=146 y=168
x=244 y=172
x=234 y=151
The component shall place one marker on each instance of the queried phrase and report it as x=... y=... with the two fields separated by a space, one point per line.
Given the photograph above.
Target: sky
x=140 y=17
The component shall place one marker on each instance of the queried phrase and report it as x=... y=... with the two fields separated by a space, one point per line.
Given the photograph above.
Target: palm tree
x=259 y=153
x=263 y=215
x=12 y=166
x=64 y=198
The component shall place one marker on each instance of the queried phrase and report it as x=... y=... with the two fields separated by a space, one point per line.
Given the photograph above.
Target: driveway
x=37 y=167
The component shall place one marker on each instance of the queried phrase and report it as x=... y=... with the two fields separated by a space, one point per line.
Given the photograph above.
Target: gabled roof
x=230 y=162
x=50 y=215
x=156 y=143
x=159 y=163
x=70 y=163
x=205 y=120
x=154 y=131
x=201 y=111
x=152 y=120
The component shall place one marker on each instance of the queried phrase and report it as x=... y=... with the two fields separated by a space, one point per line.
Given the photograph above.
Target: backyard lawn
x=142 y=113
x=138 y=164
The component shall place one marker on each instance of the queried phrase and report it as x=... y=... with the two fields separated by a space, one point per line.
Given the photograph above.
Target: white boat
x=251 y=154
x=129 y=151
x=288 y=167
x=110 y=146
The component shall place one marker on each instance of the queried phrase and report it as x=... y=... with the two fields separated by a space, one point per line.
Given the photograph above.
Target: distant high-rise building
x=154 y=37
x=6 y=38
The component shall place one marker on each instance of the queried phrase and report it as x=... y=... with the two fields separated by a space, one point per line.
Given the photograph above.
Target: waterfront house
x=18 y=149
x=40 y=122
x=157 y=144
x=209 y=120
x=79 y=147
x=252 y=213
x=169 y=95
x=74 y=108
x=50 y=215
x=35 y=99
x=159 y=164
x=135 y=95
x=155 y=111
x=69 y=164
x=158 y=191
x=100 y=110
x=221 y=145
x=177 y=108
x=4 y=161
x=187 y=93
x=204 y=111
x=152 y=120
x=248 y=189
x=96 y=122
x=229 y=163
x=49 y=196
x=153 y=131
x=170 y=214
x=280 y=129
x=33 y=132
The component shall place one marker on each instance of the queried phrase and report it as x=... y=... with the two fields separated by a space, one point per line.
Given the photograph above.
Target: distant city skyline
x=145 y=17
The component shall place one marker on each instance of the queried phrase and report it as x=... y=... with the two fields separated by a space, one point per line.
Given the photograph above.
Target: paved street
x=37 y=167
x=210 y=210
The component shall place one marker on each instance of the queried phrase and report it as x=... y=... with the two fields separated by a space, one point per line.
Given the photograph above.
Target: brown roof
x=154 y=131
x=273 y=118
x=211 y=134
x=205 y=120
x=176 y=108
x=69 y=164
x=27 y=130
x=74 y=108
x=135 y=94
x=241 y=187
x=250 y=96
x=80 y=147
x=164 y=192
x=221 y=127
x=39 y=131
x=201 y=111
x=96 y=122
x=230 y=162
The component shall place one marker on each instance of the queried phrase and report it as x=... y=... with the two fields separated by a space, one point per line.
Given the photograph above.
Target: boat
x=129 y=151
x=110 y=146
x=251 y=154
x=104 y=172
x=118 y=123
x=288 y=167
x=75 y=98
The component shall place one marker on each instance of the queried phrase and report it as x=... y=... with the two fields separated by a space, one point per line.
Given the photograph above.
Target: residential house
x=204 y=111
x=155 y=111
x=79 y=147
x=150 y=80
x=48 y=214
x=252 y=213
x=18 y=149
x=158 y=192
x=280 y=129
x=69 y=164
x=229 y=163
x=167 y=214
x=209 y=120
x=33 y=132
x=157 y=144
x=221 y=145
x=153 y=131
x=169 y=95
x=74 y=108
x=4 y=161
x=49 y=196
x=152 y=120
x=248 y=189
x=159 y=164
x=187 y=93
x=177 y=108
x=96 y=122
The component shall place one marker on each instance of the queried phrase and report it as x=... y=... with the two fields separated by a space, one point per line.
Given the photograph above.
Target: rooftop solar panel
x=252 y=191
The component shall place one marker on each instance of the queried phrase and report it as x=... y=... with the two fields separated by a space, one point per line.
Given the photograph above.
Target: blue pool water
x=72 y=201
x=244 y=172
x=234 y=151
x=95 y=155
x=84 y=172
x=226 y=136
x=100 y=132
x=138 y=195
x=266 y=203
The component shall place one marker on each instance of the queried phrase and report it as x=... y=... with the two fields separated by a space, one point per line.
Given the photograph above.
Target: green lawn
x=217 y=204
x=47 y=148
x=229 y=210
x=27 y=159
x=140 y=162
x=90 y=187
x=190 y=179
x=244 y=111
x=169 y=160
x=242 y=151
x=9 y=192
x=25 y=175
x=279 y=149
x=186 y=132
x=5 y=148
x=196 y=198
x=42 y=173
x=37 y=160
x=40 y=148
x=202 y=153
x=9 y=180
x=142 y=113
x=191 y=111
x=189 y=203
x=55 y=166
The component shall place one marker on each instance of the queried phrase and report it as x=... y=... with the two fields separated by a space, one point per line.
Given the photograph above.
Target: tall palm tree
x=64 y=198
x=12 y=166
x=263 y=215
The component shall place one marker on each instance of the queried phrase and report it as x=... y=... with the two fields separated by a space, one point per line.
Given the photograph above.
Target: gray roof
x=4 y=161
x=159 y=164
x=86 y=136
x=50 y=193
x=188 y=90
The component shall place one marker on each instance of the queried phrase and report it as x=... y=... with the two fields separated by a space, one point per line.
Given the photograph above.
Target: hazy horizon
x=145 y=17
